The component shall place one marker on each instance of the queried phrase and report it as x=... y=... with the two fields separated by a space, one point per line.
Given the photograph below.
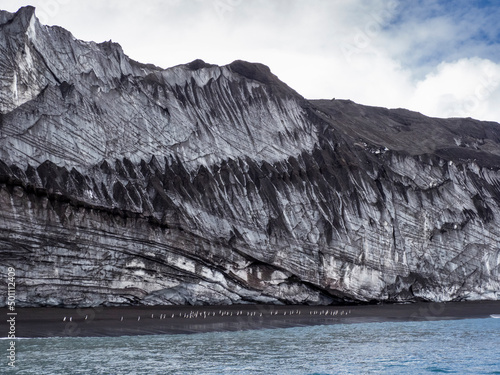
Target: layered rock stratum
x=124 y=183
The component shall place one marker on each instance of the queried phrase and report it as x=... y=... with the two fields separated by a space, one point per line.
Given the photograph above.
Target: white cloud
x=467 y=87
x=379 y=52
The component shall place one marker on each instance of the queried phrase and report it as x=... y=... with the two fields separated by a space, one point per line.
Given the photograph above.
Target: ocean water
x=470 y=346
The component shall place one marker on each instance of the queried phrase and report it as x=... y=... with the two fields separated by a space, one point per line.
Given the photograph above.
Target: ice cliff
x=125 y=183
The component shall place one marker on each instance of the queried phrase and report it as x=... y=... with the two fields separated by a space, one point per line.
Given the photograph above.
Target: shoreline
x=149 y=320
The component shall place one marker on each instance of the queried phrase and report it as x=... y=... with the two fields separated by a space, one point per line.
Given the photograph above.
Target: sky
x=437 y=57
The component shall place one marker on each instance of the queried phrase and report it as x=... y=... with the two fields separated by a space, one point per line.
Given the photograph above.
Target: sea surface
x=468 y=346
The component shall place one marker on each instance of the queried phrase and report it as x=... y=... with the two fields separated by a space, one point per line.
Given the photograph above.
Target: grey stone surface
x=125 y=183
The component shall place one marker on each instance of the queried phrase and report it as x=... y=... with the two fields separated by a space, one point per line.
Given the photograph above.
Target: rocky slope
x=124 y=183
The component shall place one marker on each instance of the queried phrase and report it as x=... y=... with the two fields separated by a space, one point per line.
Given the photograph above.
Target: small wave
x=440 y=370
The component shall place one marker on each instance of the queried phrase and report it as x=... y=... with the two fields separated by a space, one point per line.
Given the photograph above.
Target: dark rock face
x=123 y=183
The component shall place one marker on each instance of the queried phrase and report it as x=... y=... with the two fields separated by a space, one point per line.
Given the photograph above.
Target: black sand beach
x=144 y=320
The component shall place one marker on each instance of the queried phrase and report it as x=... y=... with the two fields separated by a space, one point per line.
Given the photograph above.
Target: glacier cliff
x=125 y=183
